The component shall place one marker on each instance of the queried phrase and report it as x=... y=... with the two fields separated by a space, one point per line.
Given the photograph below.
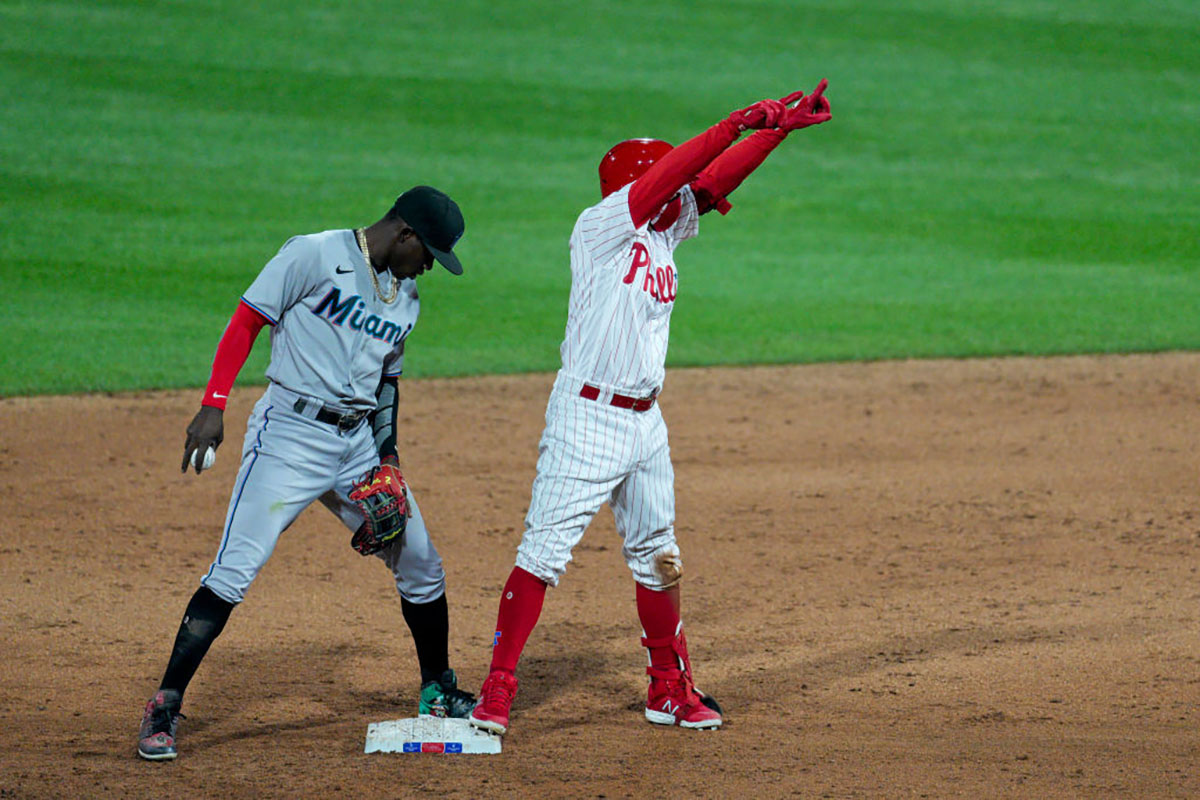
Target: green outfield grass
x=1009 y=176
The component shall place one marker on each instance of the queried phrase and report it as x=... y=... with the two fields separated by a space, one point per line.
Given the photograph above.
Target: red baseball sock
x=520 y=607
x=659 y=614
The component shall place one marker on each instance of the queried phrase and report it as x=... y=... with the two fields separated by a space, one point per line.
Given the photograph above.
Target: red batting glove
x=763 y=114
x=811 y=110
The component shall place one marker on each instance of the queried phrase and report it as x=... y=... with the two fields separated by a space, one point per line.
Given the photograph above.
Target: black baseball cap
x=436 y=219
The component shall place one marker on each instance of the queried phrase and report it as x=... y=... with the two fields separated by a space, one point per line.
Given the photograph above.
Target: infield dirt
x=926 y=579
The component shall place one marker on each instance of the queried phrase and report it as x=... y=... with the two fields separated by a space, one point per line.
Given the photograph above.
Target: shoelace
x=162 y=720
x=682 y=685
x=497 y=691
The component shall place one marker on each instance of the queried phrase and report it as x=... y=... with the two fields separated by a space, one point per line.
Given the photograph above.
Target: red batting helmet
x=628 y=161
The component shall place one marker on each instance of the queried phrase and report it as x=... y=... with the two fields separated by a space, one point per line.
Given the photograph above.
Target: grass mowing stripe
x=1003 y=176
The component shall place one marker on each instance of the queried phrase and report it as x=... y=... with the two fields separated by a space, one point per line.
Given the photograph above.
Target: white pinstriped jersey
x=623 y=287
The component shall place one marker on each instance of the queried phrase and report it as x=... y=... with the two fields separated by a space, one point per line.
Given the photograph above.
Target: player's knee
x=421 y=592
x=660 y=568
x=545 y=571
x=219 y=582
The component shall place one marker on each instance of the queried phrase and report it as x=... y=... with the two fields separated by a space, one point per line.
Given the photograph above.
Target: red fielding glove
x=763 y=114
x=811 y=110
x=381 y=498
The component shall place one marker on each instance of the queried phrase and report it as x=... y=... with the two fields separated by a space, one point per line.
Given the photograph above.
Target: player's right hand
x=803 y=111
x=763 y=114
x=207 y=430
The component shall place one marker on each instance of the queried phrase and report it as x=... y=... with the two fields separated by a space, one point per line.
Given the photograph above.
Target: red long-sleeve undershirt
x=708 y=163
x=232 y=352
x=676 y=169
x=727 y=171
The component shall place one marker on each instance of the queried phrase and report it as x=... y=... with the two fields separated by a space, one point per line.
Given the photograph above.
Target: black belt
x=347 y=421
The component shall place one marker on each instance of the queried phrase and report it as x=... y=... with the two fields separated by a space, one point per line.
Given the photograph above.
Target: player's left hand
x=207 y=430
x=382 y=498
x=763 y=114
x=803 y=111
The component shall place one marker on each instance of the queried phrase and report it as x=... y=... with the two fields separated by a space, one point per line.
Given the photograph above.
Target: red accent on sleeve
x=730 y=168
x=676 y=169
x=232 y=352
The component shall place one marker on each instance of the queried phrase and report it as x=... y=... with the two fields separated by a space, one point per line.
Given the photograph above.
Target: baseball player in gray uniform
x=341 y=305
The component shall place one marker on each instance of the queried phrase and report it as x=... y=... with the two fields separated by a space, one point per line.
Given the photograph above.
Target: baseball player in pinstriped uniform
x=605 y=439
x=341 y=305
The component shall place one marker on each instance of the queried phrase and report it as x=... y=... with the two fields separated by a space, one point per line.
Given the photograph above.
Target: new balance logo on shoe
x=672 y=699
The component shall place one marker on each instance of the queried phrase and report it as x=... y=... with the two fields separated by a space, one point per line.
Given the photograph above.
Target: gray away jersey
x=331 y=336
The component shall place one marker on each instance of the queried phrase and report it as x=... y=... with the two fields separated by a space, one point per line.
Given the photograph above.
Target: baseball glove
x=383 y=501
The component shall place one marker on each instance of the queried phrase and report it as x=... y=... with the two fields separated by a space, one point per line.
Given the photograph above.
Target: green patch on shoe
x=443 y=698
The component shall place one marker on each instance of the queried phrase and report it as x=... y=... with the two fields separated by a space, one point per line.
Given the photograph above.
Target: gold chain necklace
x=394 y=289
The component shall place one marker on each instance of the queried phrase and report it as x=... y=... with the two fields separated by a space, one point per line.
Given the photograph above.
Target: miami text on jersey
x=337 y=310
x=659 y=282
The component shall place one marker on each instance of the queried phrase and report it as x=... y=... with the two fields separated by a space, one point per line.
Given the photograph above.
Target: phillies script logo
x=659 y=283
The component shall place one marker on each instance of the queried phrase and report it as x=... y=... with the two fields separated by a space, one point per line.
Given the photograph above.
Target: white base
x=429 y=735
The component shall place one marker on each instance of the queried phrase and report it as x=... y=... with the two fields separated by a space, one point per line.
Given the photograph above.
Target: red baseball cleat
x=495 y=700
x=673 y=700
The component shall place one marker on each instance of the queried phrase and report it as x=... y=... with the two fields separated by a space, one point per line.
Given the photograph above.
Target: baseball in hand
x=209 y=457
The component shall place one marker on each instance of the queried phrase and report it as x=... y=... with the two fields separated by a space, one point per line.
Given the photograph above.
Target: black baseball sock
x=430 y=626
x=203 y=621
